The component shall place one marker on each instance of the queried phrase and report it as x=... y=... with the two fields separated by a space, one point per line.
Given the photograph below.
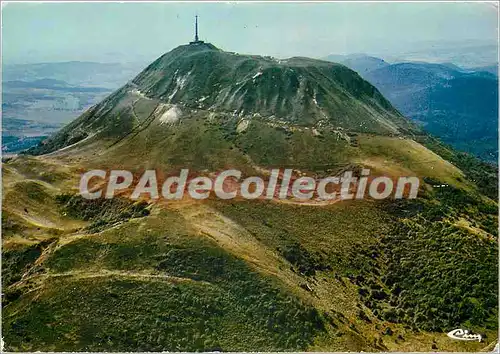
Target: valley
x=457 y=105
x=38 y=99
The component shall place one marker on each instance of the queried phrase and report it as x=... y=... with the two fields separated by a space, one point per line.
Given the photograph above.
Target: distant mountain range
x=465 y=54
x=458 y=105
x=35 y=107
x=361 y=63
x=80 y=73
x=51 y=84
x=39 y=98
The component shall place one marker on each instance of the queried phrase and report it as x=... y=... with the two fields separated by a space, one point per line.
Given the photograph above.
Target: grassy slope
x=157 y=289
x=410 y=275
x=147 y=284
x=211 y=141
x=303 y=253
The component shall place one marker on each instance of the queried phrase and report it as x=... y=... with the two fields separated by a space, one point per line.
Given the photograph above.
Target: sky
x=136 y=32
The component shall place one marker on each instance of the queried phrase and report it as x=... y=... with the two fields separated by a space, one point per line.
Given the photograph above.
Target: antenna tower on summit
x=196 y=39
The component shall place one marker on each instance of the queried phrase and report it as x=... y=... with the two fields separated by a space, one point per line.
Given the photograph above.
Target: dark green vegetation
x=458 y=106
x=254 y=84
x=437 y=267
x=101 y=212
x=132 y=315
x=483 y=175
x=305 y=237
x=156 y=291
x=422 y=270
x=305 y=262
x=16 y=261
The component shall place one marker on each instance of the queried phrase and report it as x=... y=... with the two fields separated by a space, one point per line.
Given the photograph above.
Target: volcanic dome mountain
x=299 y=91
x=247 y=275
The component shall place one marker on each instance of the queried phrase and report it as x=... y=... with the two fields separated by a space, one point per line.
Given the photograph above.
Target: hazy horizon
x=140 y=32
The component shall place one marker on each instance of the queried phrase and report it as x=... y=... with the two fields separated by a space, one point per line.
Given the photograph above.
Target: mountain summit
x=199 y=76
x=300 y=90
